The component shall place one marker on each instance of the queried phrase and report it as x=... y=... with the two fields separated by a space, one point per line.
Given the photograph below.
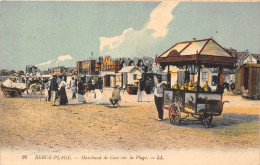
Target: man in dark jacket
x=54 y=90
x=98 y=84
x=158 y=97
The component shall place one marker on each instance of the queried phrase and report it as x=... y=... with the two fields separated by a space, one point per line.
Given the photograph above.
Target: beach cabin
x=109 y=78
x=247 y=81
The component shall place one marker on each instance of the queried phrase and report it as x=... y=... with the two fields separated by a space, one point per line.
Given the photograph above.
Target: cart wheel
x=174 y=116
x=171 y=116
x=177 y=117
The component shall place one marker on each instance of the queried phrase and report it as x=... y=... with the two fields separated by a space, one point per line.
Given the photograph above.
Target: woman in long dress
x=73 y=85
x=81 y=92
x=141 y=94
x=63 y=99
x=99 y=97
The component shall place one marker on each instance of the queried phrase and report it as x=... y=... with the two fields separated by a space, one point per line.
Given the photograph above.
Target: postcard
x=129 y=82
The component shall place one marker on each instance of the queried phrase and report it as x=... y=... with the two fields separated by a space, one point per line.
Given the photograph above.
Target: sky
x=49 y=34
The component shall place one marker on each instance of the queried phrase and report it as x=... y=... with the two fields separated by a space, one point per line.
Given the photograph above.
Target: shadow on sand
x=225 y=120
x=116 y=107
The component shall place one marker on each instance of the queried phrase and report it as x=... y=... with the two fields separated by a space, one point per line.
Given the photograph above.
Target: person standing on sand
x=158 y=97
x=99 y=98
x=81 y=92
x=73 y=85
x=54 y=90
x=63 y=95
x=141 y=93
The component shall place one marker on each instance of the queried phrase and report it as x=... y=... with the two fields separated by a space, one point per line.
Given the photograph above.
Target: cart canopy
x=206 y=52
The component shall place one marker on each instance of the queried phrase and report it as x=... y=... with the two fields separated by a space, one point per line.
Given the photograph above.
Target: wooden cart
x=132 y=90
x=11 y=92
x=196 y=102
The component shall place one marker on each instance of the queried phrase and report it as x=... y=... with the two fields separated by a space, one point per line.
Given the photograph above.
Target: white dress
x=99 y=97
x=142 y=96
x=81 y=98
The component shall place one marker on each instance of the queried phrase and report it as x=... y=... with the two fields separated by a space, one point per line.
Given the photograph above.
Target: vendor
x=158 y=97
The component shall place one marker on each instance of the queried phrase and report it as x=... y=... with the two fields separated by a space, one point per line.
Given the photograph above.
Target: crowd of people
x=57 y=91
x=54 y=91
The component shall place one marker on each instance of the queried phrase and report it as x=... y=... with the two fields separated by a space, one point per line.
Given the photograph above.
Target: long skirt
x=53 y=97
x=46 y=94
x=81 y=98
x=74 y=91
x=142 y=96
x=63 y=96
x=99 y=97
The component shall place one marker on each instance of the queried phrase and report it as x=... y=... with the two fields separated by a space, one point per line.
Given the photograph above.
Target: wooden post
x=198 y=78
x=220 y=80
x=168 y=75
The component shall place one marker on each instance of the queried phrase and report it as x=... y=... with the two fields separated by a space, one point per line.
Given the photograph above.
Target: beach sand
x=29 y=122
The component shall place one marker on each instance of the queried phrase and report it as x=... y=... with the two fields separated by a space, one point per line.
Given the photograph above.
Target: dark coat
x=54 y=85
x=63 y=96
x=98 y=85
x=142 y=85
x=81 y=88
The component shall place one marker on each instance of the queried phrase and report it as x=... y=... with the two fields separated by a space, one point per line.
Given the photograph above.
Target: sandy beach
x=29 y=122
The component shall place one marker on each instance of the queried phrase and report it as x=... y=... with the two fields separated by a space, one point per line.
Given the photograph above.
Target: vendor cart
x=11 y=92
x=190 y=98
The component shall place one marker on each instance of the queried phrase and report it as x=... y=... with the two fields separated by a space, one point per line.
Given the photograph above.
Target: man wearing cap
x=158 y=97
x=53 y=89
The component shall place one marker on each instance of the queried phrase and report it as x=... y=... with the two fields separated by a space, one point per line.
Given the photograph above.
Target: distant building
x=31 y=69
x=107 y=64
x=79 y=67
x=45 y=72
x=20 y=72
x=125 y=62
x=60 y=70
x=71 y=70
x=239 y=55
x=257 y=57
x=131 y=63
x=249 y=58
x=87 y=67
x=118 y=64
x=4 y=72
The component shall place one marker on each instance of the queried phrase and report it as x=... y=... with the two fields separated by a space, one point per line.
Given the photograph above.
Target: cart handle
x=225 y=102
